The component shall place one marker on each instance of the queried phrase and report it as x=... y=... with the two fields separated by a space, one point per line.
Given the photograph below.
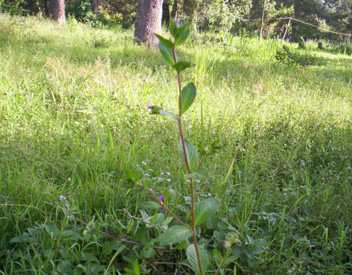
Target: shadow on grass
x=82 y=53
x=131 y=55
x=300 y=169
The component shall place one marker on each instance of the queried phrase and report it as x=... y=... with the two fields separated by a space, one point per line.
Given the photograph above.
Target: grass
x=74 y=123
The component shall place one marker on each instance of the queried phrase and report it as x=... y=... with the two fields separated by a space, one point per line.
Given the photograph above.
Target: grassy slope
x=74 y=122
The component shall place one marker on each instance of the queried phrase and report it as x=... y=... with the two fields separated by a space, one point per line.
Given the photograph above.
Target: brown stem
x=188 y=171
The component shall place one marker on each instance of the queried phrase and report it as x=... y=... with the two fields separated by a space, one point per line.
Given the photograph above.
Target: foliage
x=291 y=56
x=221 y=15
x=343 y=48
x=266 y=18
x=197 y=255
x=260 y=17
x=273 y=144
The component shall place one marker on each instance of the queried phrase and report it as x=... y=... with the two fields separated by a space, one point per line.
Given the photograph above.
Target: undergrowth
x=274 y=144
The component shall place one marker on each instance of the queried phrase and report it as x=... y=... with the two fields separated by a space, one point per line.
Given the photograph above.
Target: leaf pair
x=186 y=99
x=206 y=209
x=179 y=33
x=167 y=46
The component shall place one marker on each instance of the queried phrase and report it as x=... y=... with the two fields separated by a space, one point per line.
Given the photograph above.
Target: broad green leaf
x=206 y=210
x=181 y=33
x=181 y=65
x=175 y=234
x=165 y=42
x=192 y=258
x=167 y=55
x=191 y=152
x=157 y=219
x=148 y=252
x=166 y=48
x=188 y=94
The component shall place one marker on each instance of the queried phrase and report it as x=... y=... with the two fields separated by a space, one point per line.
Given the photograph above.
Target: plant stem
x=188 y=171
x=155 y=198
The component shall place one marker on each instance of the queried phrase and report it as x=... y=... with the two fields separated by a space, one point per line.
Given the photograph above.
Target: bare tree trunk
x=56 y=10
x=95 y=6
x=148 y=22
x=166 y=13
x=174 y=10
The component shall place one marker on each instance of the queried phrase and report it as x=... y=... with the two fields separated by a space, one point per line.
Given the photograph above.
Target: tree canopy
x=264 y=17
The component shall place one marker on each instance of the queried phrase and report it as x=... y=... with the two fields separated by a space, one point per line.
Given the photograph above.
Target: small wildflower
x=150 y=108
x=161 y=200
x=154 y=110
x=62 y=198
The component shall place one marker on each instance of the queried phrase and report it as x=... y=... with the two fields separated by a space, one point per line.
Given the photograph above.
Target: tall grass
x=74 y=123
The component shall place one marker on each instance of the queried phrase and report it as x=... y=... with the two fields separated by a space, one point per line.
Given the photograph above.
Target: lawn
x=77 y=143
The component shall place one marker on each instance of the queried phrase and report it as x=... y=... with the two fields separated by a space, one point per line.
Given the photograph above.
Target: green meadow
x=77 y=143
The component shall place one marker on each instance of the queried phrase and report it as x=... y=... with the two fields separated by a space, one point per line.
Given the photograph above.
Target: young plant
x=196 y=254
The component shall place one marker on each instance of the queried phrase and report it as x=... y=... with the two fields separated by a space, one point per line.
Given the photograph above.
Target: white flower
x=62 y=198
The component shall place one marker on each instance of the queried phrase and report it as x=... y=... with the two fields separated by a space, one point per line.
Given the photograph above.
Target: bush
x=12 y=7
x=289 y=56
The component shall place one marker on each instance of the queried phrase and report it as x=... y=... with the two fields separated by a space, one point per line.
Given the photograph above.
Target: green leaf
x=192 y=258
x=181 y=33
x=165 y=42
x=166 y=47
x=175 y=234
x=188 y=94
x=151 y=205
x=52 y=230
x=148 y=252
x=206 y=210
x=181 y=65
x=192 y=154
x=173 y=28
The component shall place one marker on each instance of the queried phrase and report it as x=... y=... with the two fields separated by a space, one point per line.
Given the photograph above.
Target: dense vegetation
x=266 y=17
x=272 y=125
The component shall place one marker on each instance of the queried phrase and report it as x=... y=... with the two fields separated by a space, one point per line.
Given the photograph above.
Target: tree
x=56 y=9
x=148 y=22
x=166 y=13
x=189 y=7
x=311 y=11
x=95 y=6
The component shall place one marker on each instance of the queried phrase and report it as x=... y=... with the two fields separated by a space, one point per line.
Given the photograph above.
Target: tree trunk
x=95 y=6
x=148 y=22
x=263 y=20
x=166 y=13
x=56 y=10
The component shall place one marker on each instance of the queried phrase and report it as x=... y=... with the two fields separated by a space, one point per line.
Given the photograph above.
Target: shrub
x=288 y=56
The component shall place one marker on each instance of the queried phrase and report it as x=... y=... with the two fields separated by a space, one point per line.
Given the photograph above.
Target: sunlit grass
x=74 y=122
